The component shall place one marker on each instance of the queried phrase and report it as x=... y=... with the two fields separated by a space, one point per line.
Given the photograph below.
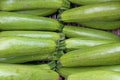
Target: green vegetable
x=65 y=72
x=39 y=12
x=106 y=54
x=98 y=12
x=86 y=2
x=103 y=25
x=74 y=31
x=8 y=5
x=82 y=43
x=95 y=75
x=16 y=21
x=22 y=46
x=33 y=34
x=15 y=72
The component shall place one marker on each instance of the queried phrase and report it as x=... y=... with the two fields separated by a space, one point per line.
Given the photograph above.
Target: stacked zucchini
x=26 y=35
x=87 y=52
x=91 y=54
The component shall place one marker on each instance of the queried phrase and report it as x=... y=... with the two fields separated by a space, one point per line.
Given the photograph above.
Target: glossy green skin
x=86 y=2
x=65 y=72
x=16 y=21
x=33 y=34
x=106 y=54
x=27 y=58
x=38 y=12
x=98 y=12
x=8 y=5
x=22 y=46
x=82 y=43
x=95 y=75
x=78 y=32
x=9 y=72
x=102 y=25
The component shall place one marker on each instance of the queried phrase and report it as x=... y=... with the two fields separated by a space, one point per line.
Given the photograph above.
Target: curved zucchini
x=38 y=12
x=102 y=25
x=82 y=43
x=74 y=32
x=86 y=2
x=95 y=75
x=16 y=72
x=8 y=5
x=65 y=72
x=109 y=11
x=22 y=46
x=16 y=21
x=33 y=34
x=106 y=54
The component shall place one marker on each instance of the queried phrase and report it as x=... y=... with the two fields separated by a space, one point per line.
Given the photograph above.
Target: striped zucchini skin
x=8 y=5
x=9 y=72
x=38 y=12
x=75 y=32
x=22 y=46
x=16 y=21
x=33 y=34
x=87 y=2
x=83 y=43
x=107 y=54
x=95 y=75
x=102 y=25
x=65 y=72
x=109 y=11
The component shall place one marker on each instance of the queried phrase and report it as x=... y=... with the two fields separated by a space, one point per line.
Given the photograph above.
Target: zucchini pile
x=46 y=39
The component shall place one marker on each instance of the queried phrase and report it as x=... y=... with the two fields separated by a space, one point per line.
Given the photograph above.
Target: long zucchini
x=74 y=32
x=8 y=5
x=109 y=11
x=16 y=21
x=106 y=54
x=33 y=34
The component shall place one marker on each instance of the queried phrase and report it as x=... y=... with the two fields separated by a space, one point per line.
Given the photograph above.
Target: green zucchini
x=38 y=12
x=109 y=11
x=82 y=43
x=65 y=72
x=95 y=75
x=106 y=54
x=23 y=46
x=74 y=32
x=15 y=72
x=102 y=25
x=33 y=34
x=8 y=5
x=27 y=58
x=86 y=2
x=16 y=21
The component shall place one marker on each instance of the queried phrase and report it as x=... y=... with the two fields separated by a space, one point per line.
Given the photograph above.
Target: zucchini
x=15 y=72
x=106 y=54
x=27 y=58
x=82 y=43
x=109 y=11
x=102 y=25
x=65 y=72
x=95 y=75
x=33 y=34
x=8 y=5
x=23 y=46
x=87 y=2
x=38 y=12
x=74 y=32
x=16 y=21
